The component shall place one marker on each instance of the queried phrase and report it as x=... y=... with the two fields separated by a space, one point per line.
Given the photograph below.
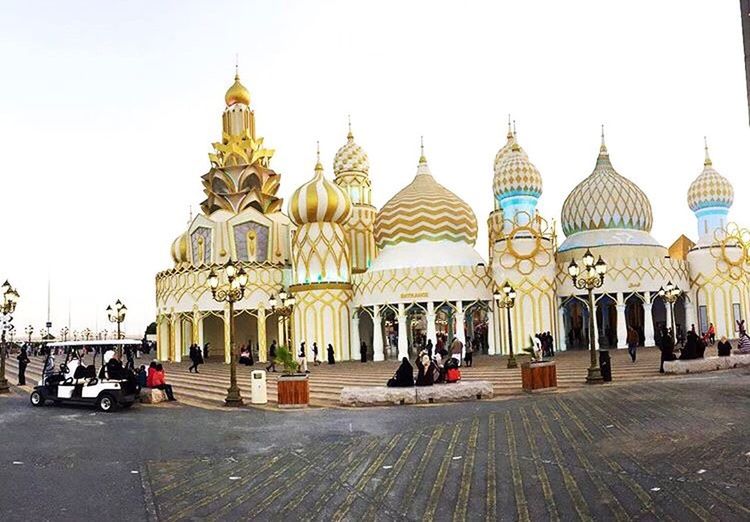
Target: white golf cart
x=74 y=382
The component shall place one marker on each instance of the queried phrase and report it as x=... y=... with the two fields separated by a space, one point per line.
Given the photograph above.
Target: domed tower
x=351 y=170
x=522 y=247
x=321 y=264
x=718 y=262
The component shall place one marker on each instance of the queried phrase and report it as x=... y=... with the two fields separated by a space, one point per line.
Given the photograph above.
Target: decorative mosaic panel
x=200 y=241
x=254 y=236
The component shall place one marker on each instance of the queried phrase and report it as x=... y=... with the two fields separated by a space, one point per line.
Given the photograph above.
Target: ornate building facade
x=392 y=279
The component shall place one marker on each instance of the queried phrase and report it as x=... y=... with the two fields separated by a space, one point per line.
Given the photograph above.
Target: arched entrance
x=576 y=323
x=213 y=333
x=606 y=321
x=634 y=316
x=477 y=325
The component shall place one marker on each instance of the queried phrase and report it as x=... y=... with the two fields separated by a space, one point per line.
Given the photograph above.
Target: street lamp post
x=64 y=333
x=7 y=307
x=507 y=299
x=116 y=314
x=284 y=306
x=230 y=293
x=670 y=294
x=29 y=331
x=86 y=334
x=591 y=277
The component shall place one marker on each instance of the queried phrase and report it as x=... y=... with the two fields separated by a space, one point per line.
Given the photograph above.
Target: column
x=403 y=337
x=491 y=328
x=354 y=337
x=227 y=343
x=668 y=314
x=199 y=339
x=162 y=338
x=262 y=341
x=562 y=338
x=648 y=321
x=460 y=335
x=377 y=334
x=431 y=328
x=689 y=315
x=622 y=327
x=282 y=334
x=177 y=329
x=195 y=333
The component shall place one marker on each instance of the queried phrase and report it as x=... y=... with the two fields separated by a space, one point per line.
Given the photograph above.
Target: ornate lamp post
x=507 y=299
x=230 y=293
x=284 y=306
x=29 y=330
x=670 y=294
x=86 y=334
x=75 y=335
x=591 y=277
x=116 y=314
x=7 y=307
x=64 y=333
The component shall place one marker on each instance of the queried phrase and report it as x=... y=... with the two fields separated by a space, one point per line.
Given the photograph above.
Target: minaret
x=351 y=170
x=321 y=265
x=710 y=197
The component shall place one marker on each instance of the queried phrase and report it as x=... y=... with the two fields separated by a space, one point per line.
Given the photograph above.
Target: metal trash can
x=605 y=364
x=258 y=388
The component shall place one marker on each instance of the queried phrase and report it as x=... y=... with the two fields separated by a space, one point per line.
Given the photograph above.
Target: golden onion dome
x=506 y=149
x=710 y=189
x=319 y=200
x=237 y=93
x=425 y=210
x=179 y=249
x=605 y=199
x=350 y=157
x=516 y=175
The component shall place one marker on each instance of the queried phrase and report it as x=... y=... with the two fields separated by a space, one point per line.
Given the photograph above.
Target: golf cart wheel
x=36 y=399
x=106 y=403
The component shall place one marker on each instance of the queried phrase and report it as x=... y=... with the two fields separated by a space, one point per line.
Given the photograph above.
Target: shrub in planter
x=292 y=388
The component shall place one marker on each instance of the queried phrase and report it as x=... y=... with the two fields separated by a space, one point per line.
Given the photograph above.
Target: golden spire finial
x=422 y=159
x=515 y=134
x=510 y=131
x=237 y=93
x=707 y=161
x=237 y=66
x=318 y=165
x=603 y=146
x=350 y=136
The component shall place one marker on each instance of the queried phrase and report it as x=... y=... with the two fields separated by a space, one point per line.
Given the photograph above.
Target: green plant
x=285 y=358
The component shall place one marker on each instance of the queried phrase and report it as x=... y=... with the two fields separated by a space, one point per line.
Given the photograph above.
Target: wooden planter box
x=538 y=376
x=293 y=391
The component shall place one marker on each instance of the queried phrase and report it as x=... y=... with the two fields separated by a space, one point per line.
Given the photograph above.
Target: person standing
x=469 y=355
x=302 y=357
x=315 y=354
x=130 y=360
x=456 y=349
x=272 y=357
x=331 y=359
x=429 y=348
x=632 y=341
x=205 y=350
x=23 y=362
x=363 y=352
x=193 y=358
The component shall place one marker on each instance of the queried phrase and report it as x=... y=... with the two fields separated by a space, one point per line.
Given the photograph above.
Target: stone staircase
x=208 y=388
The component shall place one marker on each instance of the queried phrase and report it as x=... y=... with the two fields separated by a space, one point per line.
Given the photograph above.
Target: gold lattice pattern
x=350 y=158
x=505 y=150
x=731 y=249
x=517 y=175
x=189 y=282
x=422 y=279
x=528 y=244
x=321 y=253
x=605 y=199
x=710 y=189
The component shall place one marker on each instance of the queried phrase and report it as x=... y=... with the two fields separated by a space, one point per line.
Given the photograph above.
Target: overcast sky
x=108 y=110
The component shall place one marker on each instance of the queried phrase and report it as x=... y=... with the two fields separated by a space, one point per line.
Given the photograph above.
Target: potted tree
x=292 y=388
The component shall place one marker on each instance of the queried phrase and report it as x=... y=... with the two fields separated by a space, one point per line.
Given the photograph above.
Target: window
x=702 y=319
x=737 y=315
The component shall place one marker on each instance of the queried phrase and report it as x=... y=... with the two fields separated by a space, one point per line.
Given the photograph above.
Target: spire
x=422 y=159
x=707 y=161
x=603 y=147
x=515 y=135
x=510 y=130
x=318 y=165
x=350 y=136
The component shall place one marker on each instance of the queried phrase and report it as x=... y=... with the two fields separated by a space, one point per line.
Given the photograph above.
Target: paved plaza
x=671 y=449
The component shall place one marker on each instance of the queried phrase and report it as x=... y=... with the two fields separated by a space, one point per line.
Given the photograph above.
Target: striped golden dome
x=710 y=189
x=350 y=157
x=605 y=199
x=516 y=175
x=319 y=200
x=179 y=249
x=425 y=210
x=237 y=93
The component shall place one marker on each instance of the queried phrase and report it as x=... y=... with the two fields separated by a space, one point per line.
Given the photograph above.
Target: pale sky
x=108 y=110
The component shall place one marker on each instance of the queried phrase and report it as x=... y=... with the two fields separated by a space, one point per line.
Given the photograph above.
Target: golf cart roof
x=111 y=342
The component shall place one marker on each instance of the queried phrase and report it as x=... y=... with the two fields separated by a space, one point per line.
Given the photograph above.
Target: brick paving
x=672 y=450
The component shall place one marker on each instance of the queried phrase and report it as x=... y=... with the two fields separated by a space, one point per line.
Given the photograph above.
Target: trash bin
x=258 y=389
x=605 y=364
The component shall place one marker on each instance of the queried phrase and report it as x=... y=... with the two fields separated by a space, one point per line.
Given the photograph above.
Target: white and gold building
x=396 y=277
